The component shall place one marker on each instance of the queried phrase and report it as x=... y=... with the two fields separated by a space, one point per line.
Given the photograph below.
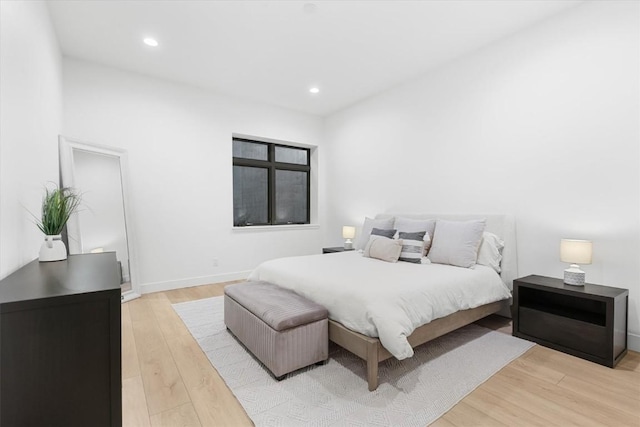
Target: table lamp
x=575 y=252
x=348 y=233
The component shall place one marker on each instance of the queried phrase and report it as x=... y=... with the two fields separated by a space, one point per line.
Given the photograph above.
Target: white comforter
x=381 y=299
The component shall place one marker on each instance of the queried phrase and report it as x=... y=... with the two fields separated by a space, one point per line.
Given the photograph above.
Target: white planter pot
x=53 y=249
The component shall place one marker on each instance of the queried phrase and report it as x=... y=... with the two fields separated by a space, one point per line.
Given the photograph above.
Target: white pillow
x=410 y=225
x=456 y=242
x=490 y=252
x=368 y=225
x=382 y=248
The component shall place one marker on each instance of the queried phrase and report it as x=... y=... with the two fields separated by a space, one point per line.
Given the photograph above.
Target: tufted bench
x=284 y=330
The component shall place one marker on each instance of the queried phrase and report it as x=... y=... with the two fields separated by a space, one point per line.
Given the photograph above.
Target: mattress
x=381 y=299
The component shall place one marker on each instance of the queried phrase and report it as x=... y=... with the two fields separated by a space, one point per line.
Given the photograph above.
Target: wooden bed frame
x=373 y=352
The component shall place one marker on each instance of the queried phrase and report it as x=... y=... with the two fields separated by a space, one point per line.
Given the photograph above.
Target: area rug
x=412 y=392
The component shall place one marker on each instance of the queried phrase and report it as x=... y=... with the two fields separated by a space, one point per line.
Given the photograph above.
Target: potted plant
x=57 y=206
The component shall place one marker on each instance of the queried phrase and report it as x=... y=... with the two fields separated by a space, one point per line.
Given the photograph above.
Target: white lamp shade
x=348 y=232
x=576 y=251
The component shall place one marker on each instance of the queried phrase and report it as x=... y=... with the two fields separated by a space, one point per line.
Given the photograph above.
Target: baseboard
x=633 y=342
x=128 y=296
x=147 y=288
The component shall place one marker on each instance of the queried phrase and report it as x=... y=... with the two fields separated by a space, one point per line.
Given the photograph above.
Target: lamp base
x=348 y=244
x=574 y=276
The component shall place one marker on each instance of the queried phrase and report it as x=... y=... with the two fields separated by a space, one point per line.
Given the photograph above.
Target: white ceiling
x=274 y=51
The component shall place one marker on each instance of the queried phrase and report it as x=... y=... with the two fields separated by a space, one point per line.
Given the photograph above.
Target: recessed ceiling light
x=314 y=90
x=150 y=42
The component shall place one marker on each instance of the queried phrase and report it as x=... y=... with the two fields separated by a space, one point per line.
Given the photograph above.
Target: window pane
x=250 y=196
x=291 y=155
x=291 y=197
x=250 y=150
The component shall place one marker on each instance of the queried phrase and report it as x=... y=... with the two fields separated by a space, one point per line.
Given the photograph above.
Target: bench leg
x=372 y=365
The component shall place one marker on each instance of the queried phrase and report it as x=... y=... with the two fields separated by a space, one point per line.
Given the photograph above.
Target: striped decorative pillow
x=412 y=246
x=409 y=225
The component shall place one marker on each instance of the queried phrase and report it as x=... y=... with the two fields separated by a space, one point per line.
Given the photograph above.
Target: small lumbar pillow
x=384 y=233
x=490 y=252
x=412 y=246
x=382 y=248
x=410 y=225
x=368 y=225
x=456 y=242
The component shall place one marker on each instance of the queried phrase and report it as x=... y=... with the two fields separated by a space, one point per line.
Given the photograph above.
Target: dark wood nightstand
x=334 y=250
x=587 y=321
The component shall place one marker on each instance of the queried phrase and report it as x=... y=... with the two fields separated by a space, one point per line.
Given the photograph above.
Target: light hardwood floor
x=168 y=381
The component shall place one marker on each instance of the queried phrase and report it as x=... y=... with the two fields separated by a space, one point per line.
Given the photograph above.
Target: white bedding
x=381 y=299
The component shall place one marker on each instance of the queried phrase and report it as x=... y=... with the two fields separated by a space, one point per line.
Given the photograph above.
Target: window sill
x=278 y=227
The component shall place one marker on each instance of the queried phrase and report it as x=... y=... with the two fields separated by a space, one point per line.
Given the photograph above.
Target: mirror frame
x=67 y=174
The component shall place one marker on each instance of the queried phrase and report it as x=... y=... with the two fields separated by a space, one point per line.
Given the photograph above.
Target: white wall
x=543 y=125
x=179 y=144
x=101 y=218
x=30 y=119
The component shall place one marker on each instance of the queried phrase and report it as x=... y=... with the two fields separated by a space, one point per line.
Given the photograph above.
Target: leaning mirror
x=103 y=223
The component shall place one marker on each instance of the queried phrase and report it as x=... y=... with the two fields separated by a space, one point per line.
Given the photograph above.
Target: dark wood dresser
x=60 y=349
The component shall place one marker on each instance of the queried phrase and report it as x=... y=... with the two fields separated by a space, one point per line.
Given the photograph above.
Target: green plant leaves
x=57 y=206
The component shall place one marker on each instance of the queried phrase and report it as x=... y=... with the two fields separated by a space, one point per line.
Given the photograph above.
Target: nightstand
x=334 y=250
x=587 y=321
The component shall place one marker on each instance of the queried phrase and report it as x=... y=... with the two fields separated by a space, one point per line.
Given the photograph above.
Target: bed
x=380 y=310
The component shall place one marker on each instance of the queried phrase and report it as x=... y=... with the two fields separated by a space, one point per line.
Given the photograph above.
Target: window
x=271 y=184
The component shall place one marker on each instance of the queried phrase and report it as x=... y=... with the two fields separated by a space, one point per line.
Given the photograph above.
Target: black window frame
x=272 y=166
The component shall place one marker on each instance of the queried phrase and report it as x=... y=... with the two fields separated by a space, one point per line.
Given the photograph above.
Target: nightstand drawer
x=564 y=331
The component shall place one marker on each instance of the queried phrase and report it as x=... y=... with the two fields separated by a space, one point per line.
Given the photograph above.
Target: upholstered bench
x=284 y=330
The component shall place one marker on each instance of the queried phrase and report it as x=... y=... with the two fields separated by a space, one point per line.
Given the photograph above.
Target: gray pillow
x=456 y=242
x=368 y=225
x=410 y=225
x=389 y=233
